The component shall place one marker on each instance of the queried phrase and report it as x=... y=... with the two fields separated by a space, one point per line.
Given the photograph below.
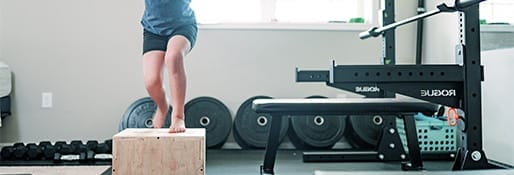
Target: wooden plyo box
x=155 y=151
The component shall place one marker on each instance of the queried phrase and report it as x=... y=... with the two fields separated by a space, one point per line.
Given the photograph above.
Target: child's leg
x=178 y=47
x=153 y=62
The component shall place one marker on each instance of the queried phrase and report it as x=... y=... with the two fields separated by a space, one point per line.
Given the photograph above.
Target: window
x=227 y=11
x=283 y=11
x=497 y=11
x=318 y=11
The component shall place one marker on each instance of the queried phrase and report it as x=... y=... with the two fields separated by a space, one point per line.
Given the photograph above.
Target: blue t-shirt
x=161 y=17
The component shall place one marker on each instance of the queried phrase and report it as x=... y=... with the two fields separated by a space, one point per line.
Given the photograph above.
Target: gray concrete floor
x=289 y=162
x=53 y=170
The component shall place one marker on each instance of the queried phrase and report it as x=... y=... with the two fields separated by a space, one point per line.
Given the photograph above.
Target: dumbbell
x=75 y=145
x=59 y=144
x=91 y=147
x=91 y=144
x=48 y=149
x=90 y=155
x=79 y=149
x=19 y=150
x=62 y=149
x=109 y=145
x=85 y=153
x=102 y=148
x=66 y=149
x=83 y=150
x=103 y=151
x=44 y=143
x=7 y=152
x=33 y=151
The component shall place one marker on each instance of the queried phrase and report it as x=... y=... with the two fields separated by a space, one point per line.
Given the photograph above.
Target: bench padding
x=343 y=106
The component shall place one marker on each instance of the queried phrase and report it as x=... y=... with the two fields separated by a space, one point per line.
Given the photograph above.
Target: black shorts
x=153 y=41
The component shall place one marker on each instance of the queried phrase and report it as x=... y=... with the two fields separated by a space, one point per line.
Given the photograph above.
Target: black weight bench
x=404 y=108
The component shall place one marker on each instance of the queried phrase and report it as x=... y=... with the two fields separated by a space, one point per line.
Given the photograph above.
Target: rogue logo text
x=367 y=89
x=439 y=93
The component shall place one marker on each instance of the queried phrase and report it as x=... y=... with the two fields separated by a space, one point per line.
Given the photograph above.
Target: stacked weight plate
x=211 y=114
x=364 y=131
x=315 y=132
x=251 y=129
x=140 y=113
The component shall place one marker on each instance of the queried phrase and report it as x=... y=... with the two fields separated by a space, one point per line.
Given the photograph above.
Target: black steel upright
x=419 y=42
x=388 y=38
x=471 y=154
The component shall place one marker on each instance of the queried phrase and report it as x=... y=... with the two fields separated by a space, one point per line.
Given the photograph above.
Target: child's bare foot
x=158 y=118
x=177 y=124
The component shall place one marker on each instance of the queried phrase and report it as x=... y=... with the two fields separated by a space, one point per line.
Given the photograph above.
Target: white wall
x=405 y=35
x=85 y=52
x=440 y=35
x=497 y=104
x=88 y=54
x=1 y=33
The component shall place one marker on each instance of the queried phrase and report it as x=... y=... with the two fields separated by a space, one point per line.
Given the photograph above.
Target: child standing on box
x=169 y=35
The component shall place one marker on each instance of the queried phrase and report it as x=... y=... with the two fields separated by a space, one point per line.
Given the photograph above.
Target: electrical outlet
x=46 y=100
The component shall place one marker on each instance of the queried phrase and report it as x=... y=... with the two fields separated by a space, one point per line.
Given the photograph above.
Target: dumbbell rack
x=60 y=153
x=456 y=85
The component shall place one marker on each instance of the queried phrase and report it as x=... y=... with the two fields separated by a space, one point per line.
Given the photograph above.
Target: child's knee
x=152 y=82
x=173 y=57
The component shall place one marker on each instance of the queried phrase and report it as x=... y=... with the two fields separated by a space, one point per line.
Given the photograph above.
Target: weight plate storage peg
x=251 y=129
x=140 y=113
x=211 y=114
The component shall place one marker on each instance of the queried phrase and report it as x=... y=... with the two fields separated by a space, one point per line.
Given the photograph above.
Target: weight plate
x=316 y=131
x=251 y=129
x=140 y=113
x=211 y=114
x=365 y=130
x=238 y=139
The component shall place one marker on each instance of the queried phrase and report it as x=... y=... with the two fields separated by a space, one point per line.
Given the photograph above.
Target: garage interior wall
x=1 y=33
x=497 y=104
x=440 y=41
x=88 y=54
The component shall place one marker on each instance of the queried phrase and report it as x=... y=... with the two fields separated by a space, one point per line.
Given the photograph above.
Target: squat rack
x=454 y=85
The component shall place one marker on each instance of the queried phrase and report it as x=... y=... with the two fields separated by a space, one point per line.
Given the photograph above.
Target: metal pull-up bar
x=459 y=5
